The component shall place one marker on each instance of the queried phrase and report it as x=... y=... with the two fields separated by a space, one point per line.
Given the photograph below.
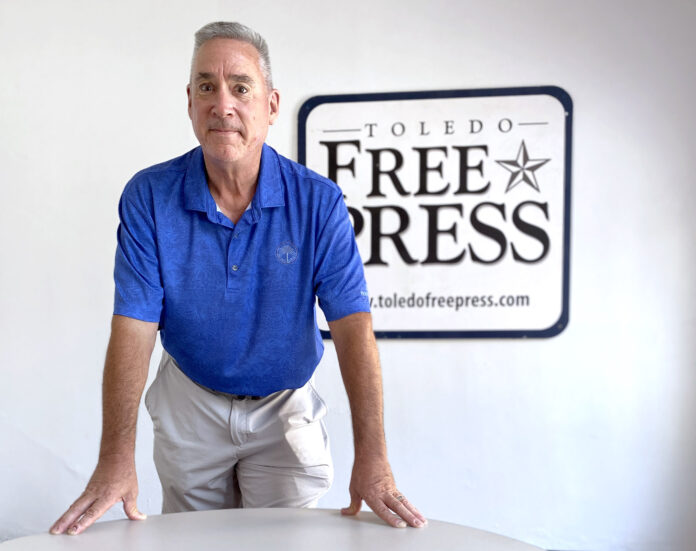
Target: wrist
x=117 y=456
x=371 y=455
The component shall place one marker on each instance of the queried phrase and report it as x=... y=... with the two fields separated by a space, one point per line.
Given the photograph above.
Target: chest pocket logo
x=286 y=253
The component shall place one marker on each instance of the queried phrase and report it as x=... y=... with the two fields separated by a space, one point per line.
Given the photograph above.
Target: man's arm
x=114 y=479
x=372 y=479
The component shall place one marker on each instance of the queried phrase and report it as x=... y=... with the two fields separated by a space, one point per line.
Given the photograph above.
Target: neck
x=232 y=182
x=235 y=178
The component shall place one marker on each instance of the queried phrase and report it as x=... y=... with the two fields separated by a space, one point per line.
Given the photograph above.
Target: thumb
x=130 y=507
x=355 y=504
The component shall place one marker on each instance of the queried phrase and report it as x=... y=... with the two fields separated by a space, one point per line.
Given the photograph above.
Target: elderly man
x=224 y=250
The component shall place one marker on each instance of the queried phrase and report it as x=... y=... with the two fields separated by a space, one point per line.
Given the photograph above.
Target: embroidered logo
x=286 y=253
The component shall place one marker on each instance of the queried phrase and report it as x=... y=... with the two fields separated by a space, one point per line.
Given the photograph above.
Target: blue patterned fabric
x=236 y=302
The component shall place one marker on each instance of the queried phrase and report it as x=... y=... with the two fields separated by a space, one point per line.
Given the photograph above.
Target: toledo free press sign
x=460 y=201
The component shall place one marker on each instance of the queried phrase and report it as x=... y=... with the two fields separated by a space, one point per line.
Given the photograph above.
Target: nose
x=223 y=102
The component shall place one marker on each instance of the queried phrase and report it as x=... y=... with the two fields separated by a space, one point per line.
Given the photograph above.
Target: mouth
x=225 y=134
x=225 y=130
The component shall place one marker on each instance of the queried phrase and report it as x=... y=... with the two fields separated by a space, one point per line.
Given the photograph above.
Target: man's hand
x=372 y=481
x=113 y=480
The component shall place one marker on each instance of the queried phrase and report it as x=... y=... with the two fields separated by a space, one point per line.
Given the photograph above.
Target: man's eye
x=205 y=87
x=242 y=89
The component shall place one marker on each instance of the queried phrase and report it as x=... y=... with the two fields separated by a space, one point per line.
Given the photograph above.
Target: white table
x=268 y=530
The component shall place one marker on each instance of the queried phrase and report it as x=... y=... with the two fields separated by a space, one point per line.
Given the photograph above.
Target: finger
x=382 y=511
x=400 y=505
x=355 y=505
x=130 y=507
x=75 y=511
x=415 y=511
x=409 y=506
x=93 y=512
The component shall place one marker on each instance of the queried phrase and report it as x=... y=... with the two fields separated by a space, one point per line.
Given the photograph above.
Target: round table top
x=268 y=529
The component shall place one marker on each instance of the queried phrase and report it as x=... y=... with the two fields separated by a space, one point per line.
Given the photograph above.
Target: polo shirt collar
x=195 y=182
x=269 y=188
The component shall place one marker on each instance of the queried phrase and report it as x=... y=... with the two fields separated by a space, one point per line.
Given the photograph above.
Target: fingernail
x=418 y=523
x=73 y=530
x=401 y=524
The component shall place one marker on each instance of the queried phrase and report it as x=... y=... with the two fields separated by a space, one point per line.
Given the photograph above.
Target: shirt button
x=235 y=268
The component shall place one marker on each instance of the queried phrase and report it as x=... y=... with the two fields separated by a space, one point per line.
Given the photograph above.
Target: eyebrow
x=246 y=79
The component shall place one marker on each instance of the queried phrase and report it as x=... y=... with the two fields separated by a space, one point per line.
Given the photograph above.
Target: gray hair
x=236 y=31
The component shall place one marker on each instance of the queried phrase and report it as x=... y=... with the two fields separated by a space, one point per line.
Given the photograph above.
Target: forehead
x=227 y=56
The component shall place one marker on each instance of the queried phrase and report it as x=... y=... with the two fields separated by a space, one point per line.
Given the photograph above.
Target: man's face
x=228 y=102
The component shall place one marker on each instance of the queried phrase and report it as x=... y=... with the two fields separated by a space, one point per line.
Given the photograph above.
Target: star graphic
x=522 y=169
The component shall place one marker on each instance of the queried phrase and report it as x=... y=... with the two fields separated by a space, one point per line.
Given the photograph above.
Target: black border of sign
x=555 y=91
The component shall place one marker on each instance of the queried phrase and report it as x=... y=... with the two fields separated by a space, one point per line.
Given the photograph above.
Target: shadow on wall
x=32 y=494
x=680 y=522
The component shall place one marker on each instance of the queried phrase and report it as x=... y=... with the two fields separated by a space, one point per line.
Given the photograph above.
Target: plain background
x=583 y=441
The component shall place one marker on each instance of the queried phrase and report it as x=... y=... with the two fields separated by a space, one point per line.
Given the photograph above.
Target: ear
x=188 y=95
x=273 y=105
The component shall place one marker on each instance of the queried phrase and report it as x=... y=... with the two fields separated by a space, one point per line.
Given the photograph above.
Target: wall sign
x=460 y=201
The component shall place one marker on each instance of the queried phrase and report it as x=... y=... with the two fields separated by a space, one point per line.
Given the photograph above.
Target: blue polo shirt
x=236 y=302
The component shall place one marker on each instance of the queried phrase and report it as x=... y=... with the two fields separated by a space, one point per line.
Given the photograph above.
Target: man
x=224 y=250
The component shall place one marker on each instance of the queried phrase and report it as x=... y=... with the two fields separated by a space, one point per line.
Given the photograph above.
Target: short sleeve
x=138 y=284
x=339 y=279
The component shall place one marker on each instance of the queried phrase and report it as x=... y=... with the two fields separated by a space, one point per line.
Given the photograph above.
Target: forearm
x=362 y=377
x=372 y=479
x=125 y=373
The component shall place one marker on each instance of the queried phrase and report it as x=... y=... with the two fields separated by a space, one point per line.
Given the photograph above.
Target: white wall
x=584 y=441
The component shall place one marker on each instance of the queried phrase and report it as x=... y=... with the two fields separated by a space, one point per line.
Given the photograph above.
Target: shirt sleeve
x=138 y=284
x=339 y=279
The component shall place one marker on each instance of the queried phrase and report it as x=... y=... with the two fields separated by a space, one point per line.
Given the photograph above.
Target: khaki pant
x=215 y=451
